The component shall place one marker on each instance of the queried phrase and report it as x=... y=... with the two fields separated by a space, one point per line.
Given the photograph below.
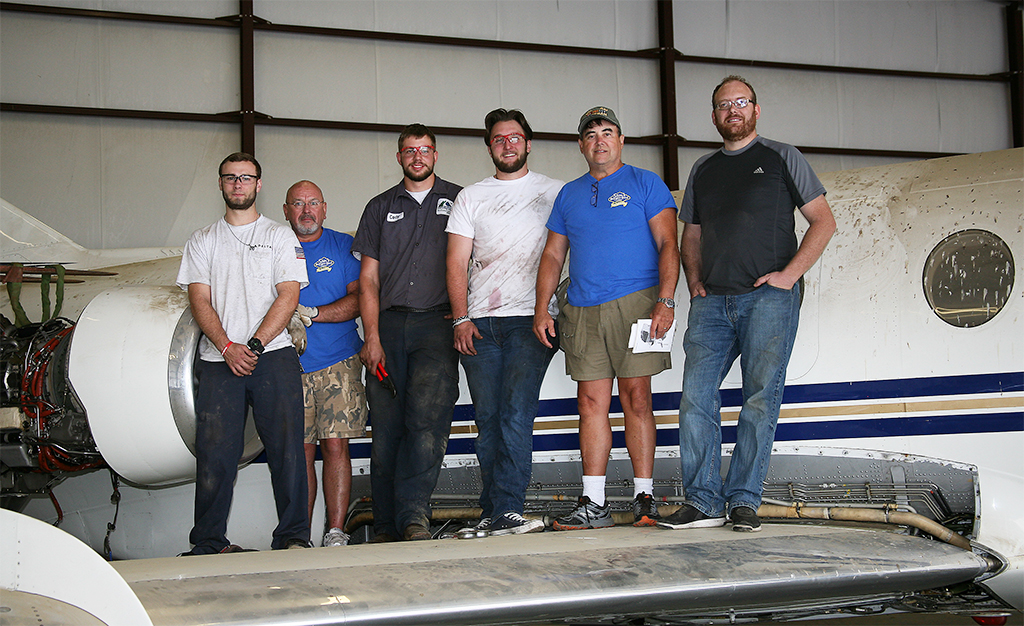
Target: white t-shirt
x=506 y=221
x=243 y=266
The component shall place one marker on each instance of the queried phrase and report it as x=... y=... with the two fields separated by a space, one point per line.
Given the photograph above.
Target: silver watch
x=669 y=302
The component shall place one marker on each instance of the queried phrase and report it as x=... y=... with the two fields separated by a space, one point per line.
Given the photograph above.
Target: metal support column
x=667 y=73
x=1015 y=49
x=247 y=87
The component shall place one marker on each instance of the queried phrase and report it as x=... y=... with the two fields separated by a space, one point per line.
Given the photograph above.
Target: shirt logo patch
x=299 y=253
x=759 y=171
x=323 y=265
x=394 y=217
x=444 y=206
x=618 y=199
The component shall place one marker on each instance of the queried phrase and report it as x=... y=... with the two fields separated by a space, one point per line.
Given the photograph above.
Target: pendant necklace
x=252 y=235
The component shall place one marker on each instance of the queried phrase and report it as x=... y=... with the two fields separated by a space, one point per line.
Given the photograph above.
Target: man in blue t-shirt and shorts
x=620 y=222
x=743 y=268
x=333 y=392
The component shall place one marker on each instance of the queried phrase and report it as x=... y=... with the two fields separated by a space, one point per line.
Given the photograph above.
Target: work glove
x=297 y=330
x=306 y=314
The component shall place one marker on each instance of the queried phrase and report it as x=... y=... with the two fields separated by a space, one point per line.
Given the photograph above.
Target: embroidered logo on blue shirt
x=323 y=265
x=618 y=199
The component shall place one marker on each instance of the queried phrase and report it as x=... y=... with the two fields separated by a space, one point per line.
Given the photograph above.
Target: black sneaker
x=645 y=510
x=745 y=520
x=513 y=523
x=689 y=517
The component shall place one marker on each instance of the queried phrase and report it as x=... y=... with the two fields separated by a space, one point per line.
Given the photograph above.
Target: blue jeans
x=759 y=327
x=504 y=380
x=410 y=432
x=274 y=391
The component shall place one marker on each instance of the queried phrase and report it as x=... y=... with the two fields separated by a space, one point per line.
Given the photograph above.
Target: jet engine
x=114 y=389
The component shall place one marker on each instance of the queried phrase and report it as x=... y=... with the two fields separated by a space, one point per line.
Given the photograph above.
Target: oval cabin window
x=968 y=277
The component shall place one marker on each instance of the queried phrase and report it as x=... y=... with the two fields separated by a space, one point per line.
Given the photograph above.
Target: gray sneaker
x=585 y=515
x=512 y=523
x=645 y=510
x=690 y=517
x=482 y=529
x=335 y=537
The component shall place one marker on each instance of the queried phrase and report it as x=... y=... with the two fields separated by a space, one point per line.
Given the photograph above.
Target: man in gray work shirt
x=403 y=301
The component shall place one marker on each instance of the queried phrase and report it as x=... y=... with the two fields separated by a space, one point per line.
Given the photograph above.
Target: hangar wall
x=108 y=182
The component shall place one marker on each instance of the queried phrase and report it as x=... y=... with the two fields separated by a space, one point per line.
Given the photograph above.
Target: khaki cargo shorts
x=335 y=401
x=596 y=338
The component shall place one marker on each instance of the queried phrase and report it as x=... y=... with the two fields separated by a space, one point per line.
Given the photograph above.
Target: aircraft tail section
x=24 y=239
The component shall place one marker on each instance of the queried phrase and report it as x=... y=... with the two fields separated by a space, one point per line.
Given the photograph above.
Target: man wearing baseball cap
x=620 y=222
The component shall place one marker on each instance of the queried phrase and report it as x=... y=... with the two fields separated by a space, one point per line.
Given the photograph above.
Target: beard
x=510 y=168
x=735 y=133
x=413 y=176
x=239 y=205
x=306 y=228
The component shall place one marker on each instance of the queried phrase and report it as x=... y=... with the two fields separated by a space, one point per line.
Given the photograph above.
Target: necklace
x=252 y=235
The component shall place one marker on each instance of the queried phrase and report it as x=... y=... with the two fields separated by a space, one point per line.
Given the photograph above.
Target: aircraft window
x=968 y=277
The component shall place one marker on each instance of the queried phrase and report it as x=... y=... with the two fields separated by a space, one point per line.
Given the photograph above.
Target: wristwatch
x=669 y=302
x=256 y=346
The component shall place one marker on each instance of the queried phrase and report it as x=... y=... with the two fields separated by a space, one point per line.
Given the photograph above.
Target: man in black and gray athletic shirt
x=743 y=267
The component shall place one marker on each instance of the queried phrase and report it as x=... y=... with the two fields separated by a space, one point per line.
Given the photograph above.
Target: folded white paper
x=641 y=340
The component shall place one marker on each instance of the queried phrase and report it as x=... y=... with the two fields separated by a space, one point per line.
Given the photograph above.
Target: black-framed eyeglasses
x=299 y=204
x=422 y=150
x=593 y=200
x=245 y=179
x=739 y=103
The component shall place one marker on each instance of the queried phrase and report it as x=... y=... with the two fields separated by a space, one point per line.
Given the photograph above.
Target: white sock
x=643 y=485
x=593 y=488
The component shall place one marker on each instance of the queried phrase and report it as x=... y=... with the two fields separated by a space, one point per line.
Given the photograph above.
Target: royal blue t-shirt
x=331 y=267
x=612 y=252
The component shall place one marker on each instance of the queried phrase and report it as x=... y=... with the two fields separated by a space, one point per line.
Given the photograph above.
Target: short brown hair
x=241 y=157
x=733 y=78
x=506 y=115
x=416 y=130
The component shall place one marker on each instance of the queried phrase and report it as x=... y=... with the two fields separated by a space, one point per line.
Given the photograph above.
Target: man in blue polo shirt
x=333 y=394
x=620 y=222
x=743 y=268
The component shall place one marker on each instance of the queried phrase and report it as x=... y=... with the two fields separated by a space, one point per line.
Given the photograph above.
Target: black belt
x=447 y=308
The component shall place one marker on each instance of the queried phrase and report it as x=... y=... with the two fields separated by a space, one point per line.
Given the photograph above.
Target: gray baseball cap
x=598 y=113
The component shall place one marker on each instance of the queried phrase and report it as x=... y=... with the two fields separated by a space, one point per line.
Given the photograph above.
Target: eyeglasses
x=245 y=179
x=593 y=199
x=739 y=103
x=511 y=139
x=422 y=150
x=299 y=204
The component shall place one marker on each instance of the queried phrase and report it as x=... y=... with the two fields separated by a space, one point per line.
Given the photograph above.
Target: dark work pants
x=274 y=391
x=410 y=432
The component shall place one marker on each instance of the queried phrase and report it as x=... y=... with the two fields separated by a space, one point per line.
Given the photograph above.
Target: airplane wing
x=601 y=574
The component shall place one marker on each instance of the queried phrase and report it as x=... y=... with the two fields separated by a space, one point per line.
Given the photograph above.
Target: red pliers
x=385 y=380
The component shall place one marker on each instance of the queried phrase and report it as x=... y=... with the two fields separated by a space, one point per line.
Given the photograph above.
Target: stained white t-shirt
x=243 y=266
x=506 y=221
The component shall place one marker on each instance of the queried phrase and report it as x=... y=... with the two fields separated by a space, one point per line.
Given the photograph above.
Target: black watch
x=256 y=346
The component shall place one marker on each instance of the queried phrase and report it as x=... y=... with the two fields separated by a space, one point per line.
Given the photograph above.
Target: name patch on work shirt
x=394 y=217
x=444 y=206
x=323 y=265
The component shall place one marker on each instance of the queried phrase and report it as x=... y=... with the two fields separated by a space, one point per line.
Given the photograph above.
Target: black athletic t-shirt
x=744 y=203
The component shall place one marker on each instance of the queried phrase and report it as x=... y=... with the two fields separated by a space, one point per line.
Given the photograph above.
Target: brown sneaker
x=416 y=532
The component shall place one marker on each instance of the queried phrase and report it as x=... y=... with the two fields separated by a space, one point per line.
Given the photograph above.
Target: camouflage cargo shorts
x=335 y=401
